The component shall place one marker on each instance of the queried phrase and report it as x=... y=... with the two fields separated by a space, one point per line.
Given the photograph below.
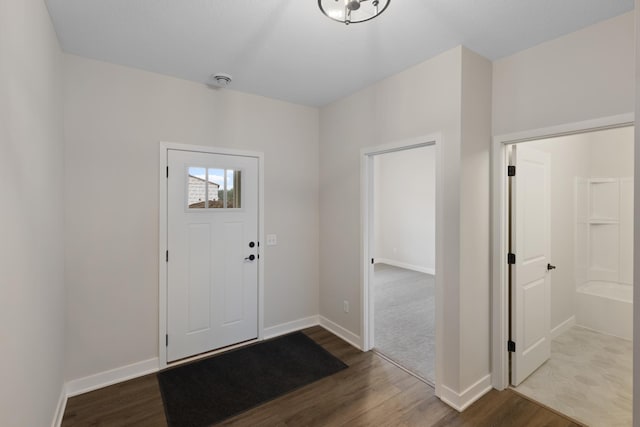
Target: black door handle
x=250 y=258
x=550 y=267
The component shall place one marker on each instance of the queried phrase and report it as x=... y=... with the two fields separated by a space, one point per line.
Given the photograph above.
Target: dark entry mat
x=208 y=391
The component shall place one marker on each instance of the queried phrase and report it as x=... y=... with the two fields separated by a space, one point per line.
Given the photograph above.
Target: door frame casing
x=499 y=224
x=367 y=155
x=163 y=235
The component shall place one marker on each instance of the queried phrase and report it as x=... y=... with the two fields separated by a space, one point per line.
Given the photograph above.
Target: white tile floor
x=589 y=378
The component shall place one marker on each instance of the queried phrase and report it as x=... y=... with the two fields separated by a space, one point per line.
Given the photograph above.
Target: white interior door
x=212 y=269
x=530 y=280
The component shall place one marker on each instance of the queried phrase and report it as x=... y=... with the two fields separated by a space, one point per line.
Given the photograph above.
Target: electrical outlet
x=345 y=306
x=272 y=240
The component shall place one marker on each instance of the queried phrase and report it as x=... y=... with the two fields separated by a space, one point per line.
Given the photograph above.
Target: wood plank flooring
x=371 y=392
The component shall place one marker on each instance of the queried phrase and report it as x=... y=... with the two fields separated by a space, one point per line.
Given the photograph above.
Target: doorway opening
x=569 y=241
x=400 y=241
x=404 y=259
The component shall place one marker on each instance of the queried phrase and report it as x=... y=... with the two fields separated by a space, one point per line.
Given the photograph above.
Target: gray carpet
x=405 y=318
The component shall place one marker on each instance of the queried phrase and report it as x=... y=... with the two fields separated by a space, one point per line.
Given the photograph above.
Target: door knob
x=250 y=258
x=251 y=244
x=550 y=267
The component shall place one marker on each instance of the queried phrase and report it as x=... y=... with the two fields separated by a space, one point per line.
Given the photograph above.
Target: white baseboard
x=138 y=369
x=399 y=264
x=295 y=325
x=563 y=327
x=341 y=332
x=113 y=376
x=62 y=404
x=461 y=401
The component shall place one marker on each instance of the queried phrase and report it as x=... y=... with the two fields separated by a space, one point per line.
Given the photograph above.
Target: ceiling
x=287 y=49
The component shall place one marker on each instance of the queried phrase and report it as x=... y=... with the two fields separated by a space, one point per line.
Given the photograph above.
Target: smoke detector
x=222 y=79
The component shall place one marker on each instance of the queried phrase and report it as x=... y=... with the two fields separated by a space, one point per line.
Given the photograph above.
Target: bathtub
x=606 y=307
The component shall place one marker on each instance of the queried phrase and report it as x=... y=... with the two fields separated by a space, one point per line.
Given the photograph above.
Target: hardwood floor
x=371 y=392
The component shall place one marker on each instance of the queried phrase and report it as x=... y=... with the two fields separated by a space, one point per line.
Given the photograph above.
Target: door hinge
x=167 y=171
x=511 y=171
x=511 y=346
x=166 y=340
x=167 y=256
x=511 y=258
x=372 y=261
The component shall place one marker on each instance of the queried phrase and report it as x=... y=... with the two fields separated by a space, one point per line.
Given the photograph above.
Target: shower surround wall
x=604 y=235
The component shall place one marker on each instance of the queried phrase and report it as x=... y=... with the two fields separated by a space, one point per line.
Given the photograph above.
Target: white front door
x=530 y=281
x=212 y=268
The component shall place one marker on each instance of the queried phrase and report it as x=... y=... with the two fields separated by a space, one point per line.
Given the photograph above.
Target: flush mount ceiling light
x=352 y=11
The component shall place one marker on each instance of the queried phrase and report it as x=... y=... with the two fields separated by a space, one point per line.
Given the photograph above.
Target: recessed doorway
x=568 y=242
x=400 y=215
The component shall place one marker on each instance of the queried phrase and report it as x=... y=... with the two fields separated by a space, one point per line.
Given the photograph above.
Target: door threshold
x=555 y=411
x=408 y=371
x=210 y=353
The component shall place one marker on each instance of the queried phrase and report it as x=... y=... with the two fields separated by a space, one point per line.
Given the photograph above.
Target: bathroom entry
x=570 y=272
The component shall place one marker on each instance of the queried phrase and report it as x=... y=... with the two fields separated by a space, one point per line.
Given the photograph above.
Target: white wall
x=422 y=100
x=31 y=217
x=636 y=231
x=391 y=110
x=475 y=221
x=570 y=158
x=584 y=75
x=115 y=118
x=611 y=153
x=405 y=209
